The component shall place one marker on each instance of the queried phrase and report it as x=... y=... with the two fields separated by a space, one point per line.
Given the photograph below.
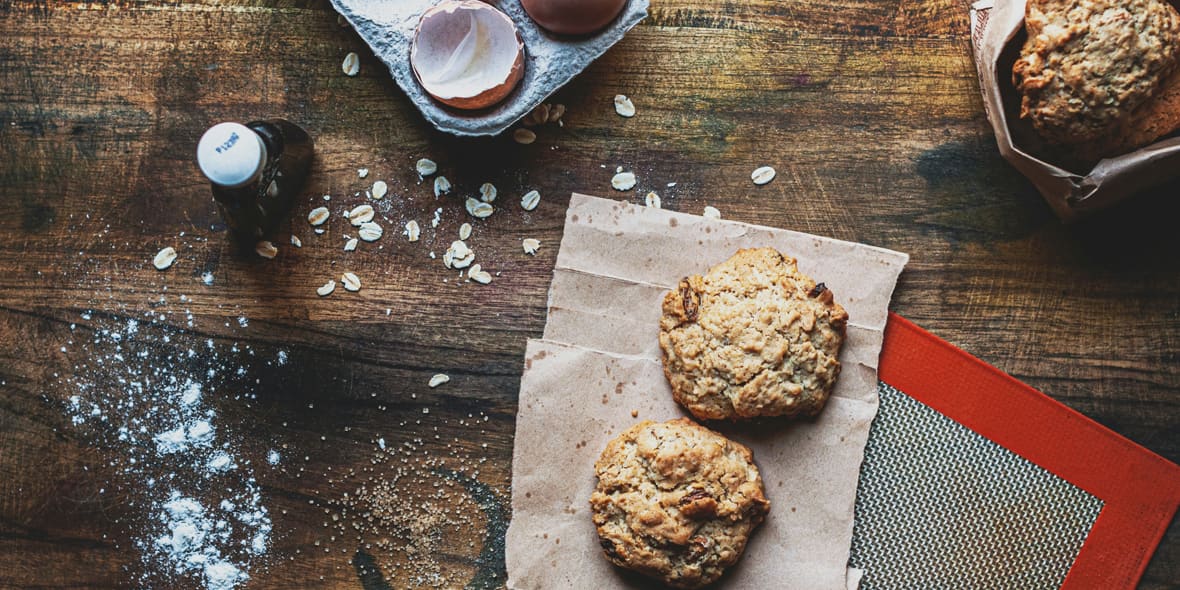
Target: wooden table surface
x=870 y=111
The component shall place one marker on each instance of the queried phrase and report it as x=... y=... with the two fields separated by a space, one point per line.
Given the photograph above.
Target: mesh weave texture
x=941 y=507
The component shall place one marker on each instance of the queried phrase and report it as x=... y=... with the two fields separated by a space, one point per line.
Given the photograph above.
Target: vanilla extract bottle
x=257 y=171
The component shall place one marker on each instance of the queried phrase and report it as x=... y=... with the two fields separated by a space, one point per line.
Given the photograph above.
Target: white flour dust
x=201 y=518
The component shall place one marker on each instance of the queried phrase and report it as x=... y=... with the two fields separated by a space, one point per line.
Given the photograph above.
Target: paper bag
x=997 y=31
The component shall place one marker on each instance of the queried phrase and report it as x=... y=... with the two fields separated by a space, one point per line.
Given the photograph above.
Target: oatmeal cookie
x=753 y=337
x=1150 y=122
x=676 y=501
x=1089 y=65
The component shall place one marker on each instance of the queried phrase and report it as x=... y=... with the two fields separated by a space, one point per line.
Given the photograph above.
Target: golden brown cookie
x=1150 y=122
x=1090 y=67
x=753 y=337
x=676 y=501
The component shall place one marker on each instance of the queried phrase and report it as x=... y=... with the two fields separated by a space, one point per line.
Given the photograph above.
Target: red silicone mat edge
x=1140 y=489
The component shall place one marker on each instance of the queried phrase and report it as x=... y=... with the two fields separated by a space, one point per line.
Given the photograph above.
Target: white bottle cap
x=231 y=154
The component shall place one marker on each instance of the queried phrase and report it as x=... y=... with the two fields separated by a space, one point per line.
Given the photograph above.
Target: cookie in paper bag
x=752 y=337
x=676 y=501
x=1100 y=78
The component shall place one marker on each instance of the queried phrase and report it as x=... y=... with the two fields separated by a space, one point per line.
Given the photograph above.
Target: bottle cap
x=231 y=154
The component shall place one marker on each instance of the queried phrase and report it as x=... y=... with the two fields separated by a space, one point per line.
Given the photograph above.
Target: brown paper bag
x=997 y=32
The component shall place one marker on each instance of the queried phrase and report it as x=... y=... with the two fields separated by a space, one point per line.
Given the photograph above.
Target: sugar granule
x=404 y=506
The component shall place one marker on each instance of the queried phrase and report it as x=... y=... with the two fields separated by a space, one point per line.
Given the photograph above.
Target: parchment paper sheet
x=599 y=361
x=995 y=24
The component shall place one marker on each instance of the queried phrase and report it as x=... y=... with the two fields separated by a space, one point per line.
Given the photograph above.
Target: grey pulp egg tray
x=551 y=61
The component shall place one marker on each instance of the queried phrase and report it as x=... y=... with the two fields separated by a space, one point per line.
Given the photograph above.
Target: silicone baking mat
x=972 y=479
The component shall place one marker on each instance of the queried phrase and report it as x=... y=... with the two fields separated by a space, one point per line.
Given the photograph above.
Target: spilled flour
x=144 y=400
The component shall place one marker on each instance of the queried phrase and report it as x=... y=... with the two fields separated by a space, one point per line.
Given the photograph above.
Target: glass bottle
x=257 y=171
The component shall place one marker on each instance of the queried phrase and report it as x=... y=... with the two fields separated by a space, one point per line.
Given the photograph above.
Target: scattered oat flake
x=327 y=289
x=623 y=106
x=350 y=245
x=439 y=379
x=462 y=261
x=524 y=136
x=361 y=214
x=351 y=65
x=762 y=175
x=531 y=245
x=652 y=200
x=487 y=192
x=623 y=181
x=530 y=200
x=295 y=241
x=712 y=213
x=362 y=172
x=318 y=216
x=464 y=231
x=425 y=167
x=556 y=113
x=479 y=209
x=442 y=186
x=479 y=275
x=371 y=232
x=379 y=189
x=164 y=258
x=350 y=281
x=412 y=231
x=539 y=116
x=458 y=255
x=437 y=217
x=266 y=249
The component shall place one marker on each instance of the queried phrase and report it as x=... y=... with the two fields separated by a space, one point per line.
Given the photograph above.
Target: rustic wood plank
x=869 y=110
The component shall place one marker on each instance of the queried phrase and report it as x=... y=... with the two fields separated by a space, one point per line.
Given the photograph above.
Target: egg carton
x=550 y=60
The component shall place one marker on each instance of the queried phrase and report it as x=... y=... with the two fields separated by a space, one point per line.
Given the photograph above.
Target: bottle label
x=228 y=143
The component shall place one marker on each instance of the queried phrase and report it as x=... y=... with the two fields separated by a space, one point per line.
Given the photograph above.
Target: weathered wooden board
x=869 y=111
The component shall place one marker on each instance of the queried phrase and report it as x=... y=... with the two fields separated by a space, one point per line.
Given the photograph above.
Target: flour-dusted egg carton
x=550 y=60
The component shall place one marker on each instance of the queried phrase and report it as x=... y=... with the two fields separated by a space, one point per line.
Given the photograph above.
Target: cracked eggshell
x=467 y=54
x=573 y=17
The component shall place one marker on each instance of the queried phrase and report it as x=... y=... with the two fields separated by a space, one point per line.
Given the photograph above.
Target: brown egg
x=573 y=17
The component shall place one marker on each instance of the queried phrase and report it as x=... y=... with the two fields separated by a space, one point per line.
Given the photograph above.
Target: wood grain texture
x=869 y=110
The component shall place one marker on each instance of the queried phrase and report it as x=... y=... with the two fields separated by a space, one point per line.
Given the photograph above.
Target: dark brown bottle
x=257 y=171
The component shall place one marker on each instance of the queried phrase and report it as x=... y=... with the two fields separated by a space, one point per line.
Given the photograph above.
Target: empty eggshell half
x=467 y=54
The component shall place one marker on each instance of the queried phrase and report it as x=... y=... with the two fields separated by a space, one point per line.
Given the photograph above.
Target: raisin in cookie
x=753 y=337
x=676 y=501
x=1090 y=69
